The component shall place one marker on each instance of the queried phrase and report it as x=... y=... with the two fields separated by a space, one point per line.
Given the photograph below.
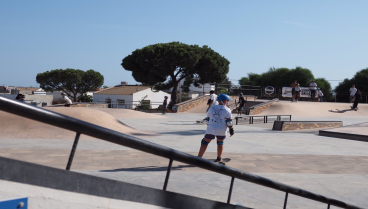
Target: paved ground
x=329 y=166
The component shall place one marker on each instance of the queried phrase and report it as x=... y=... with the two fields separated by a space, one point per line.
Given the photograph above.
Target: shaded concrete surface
x=45 y=198
x=332 y=167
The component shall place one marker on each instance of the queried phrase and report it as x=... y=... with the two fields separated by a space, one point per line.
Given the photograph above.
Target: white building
x=130 y=96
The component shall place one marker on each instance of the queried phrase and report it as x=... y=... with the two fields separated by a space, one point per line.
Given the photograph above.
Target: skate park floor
x=329 y=166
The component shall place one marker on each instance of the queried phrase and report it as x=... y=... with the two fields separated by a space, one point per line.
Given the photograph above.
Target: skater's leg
x=220 y=147
x=204 y=144
x=355 y=105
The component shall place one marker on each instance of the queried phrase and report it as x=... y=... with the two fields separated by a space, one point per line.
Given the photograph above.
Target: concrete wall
x=57 y=94
x=184 y=106
x=262 y=107
x=301 y=125
x=38 y=99
x=131 y=101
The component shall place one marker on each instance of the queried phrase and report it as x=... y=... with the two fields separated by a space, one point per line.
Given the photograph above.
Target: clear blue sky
x=329 y=37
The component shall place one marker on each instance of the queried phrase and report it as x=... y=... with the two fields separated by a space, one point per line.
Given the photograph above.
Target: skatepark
x=329 y=166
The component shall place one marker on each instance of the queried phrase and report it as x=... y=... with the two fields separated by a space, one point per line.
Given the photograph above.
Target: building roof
x=123 y=90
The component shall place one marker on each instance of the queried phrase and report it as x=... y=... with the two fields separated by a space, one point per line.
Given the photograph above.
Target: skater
x=320 y=94
x=313 y=88
x=213 y=100
x=68 y=102
x=293 y=85
x=297 y=92
x=352 y=91
x=164 y=105
x=241 y=103
x=218 y=119
x=20 y=97
x=358 y=97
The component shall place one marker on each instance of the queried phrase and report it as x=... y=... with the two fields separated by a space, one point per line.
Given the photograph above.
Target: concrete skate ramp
x=315 y=109
x=13 y=126
x=200 y=108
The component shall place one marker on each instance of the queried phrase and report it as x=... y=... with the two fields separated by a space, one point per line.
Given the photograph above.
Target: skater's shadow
x=149 y=168
x=340 y=111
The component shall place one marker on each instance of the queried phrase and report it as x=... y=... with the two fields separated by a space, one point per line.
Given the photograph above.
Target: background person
x=241 y=103
x=352 y=91
x=164 y=105
x=293 y=85
x=213 y=100
x=320 y=94
x=358 y=97
x=219 y=119
x=68 y=102
x=20 y=97
x=297 y=92
x=313 y=88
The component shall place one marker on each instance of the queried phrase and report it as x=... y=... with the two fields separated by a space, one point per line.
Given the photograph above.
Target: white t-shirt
x=67 y=100
x=217 y=124
x=214 y=99
x=352 y=91
x=313 y=86
x=297 y=88
x=320 y=93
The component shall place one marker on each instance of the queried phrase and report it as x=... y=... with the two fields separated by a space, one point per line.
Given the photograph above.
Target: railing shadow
x=149 y=168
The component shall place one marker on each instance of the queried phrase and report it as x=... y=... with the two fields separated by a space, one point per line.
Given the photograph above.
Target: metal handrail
x=82 y=127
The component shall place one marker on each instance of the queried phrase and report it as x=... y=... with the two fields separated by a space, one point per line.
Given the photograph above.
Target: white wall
x=131 y=101
x=38 y=99
x=206 y=88
x=57 y=94
x=156 y=98
x=102 y=97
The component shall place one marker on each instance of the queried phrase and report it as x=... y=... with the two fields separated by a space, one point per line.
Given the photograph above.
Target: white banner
x=304 y=92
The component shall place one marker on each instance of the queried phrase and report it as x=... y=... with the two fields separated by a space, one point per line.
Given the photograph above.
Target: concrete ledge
x=357 y=137
x=301 y=125
x=39 y=175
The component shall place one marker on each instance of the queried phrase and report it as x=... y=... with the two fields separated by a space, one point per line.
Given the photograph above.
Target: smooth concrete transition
x=333 y=167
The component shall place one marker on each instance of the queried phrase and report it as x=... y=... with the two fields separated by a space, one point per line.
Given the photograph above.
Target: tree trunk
x=174 y=94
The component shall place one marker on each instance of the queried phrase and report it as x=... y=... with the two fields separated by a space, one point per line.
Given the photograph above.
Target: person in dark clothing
x=164 y=105
x=241 y=103
x=20 y=97
x=358 y=97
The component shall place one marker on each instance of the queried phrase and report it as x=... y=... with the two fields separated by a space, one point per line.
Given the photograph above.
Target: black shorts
x=240 y=108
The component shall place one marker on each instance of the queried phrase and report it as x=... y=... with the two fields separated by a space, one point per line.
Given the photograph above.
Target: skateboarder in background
x=297 y=92
x=358 y=97
x=320 y=94
x=313 y=88
x=212 y=101
x=241 y=103
x=293 y=85
x=68 y=102
x=164 y=106
x=352 y=91
x=218 y=119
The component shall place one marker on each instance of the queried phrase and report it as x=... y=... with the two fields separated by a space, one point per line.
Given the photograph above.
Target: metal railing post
x=230 y=190
x=328 y=206
x=285 y=202
x=168 y=174
x=73 y=151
